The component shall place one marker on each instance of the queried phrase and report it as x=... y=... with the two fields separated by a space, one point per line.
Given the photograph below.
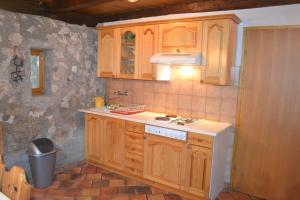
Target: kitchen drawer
x=133 y=161
x=134 y=171
x=135 y=127
x=134 y=138
x=200 y=140
x=135 y=148
x=134 y=157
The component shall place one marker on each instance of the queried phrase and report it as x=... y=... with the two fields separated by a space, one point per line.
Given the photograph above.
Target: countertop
x=205 y=127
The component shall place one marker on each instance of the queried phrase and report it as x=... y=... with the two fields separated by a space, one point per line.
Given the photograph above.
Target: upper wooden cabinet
x=149 y=41
x=127 y=53
x=219 y=43
x=183 y=37
x=107 y=52
x=124 y=51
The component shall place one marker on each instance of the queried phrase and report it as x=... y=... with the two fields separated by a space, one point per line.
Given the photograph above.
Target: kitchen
x=174 y=86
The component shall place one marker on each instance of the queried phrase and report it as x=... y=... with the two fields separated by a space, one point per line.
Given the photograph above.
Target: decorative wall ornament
x=18 y=62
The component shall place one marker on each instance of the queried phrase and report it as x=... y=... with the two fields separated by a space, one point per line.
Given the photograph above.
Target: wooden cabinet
x=149 y=42
x=165 y=161
x=107 y=52
x=199 y=170
x=115 y=142
x=134 y=150
x=179 y=166
x=200 y=140
x=183 y=37
x=124 y=51
x=95 y=138
x=219 y=43
x=128 y=53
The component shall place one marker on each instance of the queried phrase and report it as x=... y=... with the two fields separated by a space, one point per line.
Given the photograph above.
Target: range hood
x=176 y=58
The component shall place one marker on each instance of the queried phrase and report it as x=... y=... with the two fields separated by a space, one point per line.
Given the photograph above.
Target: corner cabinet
x=219 y=44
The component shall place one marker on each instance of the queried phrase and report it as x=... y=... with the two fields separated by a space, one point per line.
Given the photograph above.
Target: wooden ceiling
x=91 y=12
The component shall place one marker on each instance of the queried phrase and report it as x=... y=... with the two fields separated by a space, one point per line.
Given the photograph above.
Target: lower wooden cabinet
x=134 y=149
x=115 y=142
x=124 y=147
x=95 y=148
x=164 y=161
x=198 y=170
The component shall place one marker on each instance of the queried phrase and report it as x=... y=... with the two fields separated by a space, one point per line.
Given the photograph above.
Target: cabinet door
x=199 y=170
x=115 y=130
x=219 y=42
x=106 y=53
x=95 y=138
x=128 y=53
x=164 y=161
x=149 y=42
x=184 y=37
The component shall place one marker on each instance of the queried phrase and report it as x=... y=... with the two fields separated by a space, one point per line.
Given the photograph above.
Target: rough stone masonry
x=71 y=84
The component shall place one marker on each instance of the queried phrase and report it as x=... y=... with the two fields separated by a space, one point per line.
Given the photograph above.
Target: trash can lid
x=41 y=146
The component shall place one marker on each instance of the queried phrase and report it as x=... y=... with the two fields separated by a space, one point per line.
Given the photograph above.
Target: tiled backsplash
x=182 y=95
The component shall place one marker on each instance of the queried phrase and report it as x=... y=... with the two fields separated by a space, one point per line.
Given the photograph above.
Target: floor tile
x=90 y=192
x=137 y=197
x=91 y=183
x=156 y=197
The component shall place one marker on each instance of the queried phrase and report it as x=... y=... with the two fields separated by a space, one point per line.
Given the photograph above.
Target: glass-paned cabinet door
x=128 y=56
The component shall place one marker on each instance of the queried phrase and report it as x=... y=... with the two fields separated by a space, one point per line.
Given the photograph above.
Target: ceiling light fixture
x=132 y=1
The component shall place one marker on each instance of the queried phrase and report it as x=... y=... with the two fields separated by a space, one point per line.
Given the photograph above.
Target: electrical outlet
x=74 y=68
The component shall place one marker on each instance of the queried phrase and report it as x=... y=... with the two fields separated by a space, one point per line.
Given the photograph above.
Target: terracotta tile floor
x=91 y=183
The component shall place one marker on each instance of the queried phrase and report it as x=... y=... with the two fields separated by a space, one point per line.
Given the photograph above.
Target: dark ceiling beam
x=76 y=18
x=197 y=6
x=37 y=8
x=59 y=6
x=24 y=6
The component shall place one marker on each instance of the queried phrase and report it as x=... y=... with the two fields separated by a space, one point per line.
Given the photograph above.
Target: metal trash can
x=42 y=156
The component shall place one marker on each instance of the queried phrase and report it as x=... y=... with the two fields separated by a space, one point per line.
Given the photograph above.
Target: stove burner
x=171 y=116
x=162 y=118
x=183 y=121
x=180 y=123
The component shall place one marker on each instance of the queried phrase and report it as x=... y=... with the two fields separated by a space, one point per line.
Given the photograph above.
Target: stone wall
x=53 y=115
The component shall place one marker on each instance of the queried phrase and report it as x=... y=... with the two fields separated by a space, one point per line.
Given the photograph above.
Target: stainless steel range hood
x=177 y=59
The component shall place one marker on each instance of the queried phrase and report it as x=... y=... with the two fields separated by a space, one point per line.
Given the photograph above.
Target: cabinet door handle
x=200 y=140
